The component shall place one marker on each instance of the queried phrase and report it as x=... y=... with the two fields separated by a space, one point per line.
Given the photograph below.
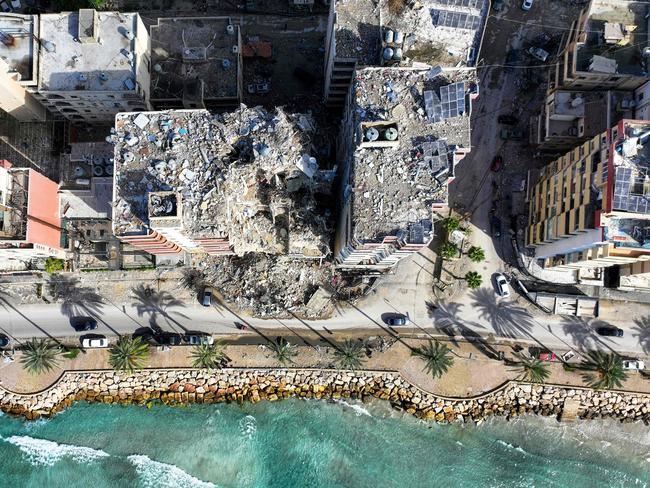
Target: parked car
x=496 y=164
x=5 y=7
x=501 y=282
x=514 y=134
x=207 y=297
x=497 y=5
x=94 y=341
x=83 y=324
x=527 y=5
x=609 y=331
x=633 y=364
x=169 y=339
x=15 y=4
x=196 y=338
x=547 y=356
x=507 y=119
x=4 y=340
x=397 y=320
x=495 y=226
x=538 y=53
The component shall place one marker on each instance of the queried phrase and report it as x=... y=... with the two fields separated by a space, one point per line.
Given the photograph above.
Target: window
x=640 y=97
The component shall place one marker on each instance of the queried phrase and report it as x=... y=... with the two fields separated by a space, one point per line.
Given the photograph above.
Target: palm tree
x=40 y=356
x=451 y=224
x=532 y=370
x=448 y=250
x=284 y=351
x=603 y=370
x=476 y=254
x=350 y=354
x=473 y=279
x=208 y=356
x=193 y=279
x=437 y=358
x=128 y=354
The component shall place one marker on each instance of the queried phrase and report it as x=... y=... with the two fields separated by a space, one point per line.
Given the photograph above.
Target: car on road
x=502 y=287
x=94 y=341
x=206 y=301
x=538 y=53
x=507 y=119
x=4 y=340
x=547 y=356
x=495 y=226
x=169 y=339
x=397 y=320
x=497 y=163
x=609 y=331
x=633 y=364
x=196 y=338
x=83 y=324
x=515 y=134
x=527 y=5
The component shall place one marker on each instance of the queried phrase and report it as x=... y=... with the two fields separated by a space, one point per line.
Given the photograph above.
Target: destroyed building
x=233 y=183
x=196 y=63
x=403 y=133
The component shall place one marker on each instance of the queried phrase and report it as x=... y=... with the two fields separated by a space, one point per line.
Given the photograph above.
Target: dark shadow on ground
x=157 y=304
x=642 y=328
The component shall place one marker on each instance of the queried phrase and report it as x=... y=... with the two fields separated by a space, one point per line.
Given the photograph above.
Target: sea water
x=298 y=443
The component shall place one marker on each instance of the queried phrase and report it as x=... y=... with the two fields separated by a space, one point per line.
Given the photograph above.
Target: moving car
x=169 y=339
x=633 y=364
x=207 y=298
x=507 y=119
x=609 y=331
x=496 y=164
x=4 y=340
x=82 y=324
x=527 y=5
x=94 y=341
x=196 y=338
x=503 y=290
x=397 y=320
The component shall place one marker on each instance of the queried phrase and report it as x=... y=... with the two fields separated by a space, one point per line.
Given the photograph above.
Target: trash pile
x=247 y=175
x=395 y=187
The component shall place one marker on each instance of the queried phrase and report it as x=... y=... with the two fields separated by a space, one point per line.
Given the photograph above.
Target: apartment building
x=590 y=208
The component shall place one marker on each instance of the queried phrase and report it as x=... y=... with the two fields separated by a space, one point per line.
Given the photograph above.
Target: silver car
x=633 y=364
x=93 y=342
x=527 y=5
x=503 y=290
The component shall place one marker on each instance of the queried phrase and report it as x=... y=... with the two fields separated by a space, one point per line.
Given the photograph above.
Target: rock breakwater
x=180 y=386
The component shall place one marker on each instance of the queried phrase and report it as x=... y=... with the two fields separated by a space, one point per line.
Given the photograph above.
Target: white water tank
x=388 y=36
x=372 y=134
x=388 y=53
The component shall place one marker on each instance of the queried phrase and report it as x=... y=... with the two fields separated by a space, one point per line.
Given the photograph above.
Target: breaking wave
x=248 y=426
x=154 y=474
x=358 y=409
x=41 y=452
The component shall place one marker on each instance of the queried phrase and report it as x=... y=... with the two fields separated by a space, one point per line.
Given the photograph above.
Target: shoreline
x=238 y=385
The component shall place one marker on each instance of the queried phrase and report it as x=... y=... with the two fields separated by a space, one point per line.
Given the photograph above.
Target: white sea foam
x=154 y=474
x=358 y=409
x=41 y=452
x=510 y=446
x=248 y=426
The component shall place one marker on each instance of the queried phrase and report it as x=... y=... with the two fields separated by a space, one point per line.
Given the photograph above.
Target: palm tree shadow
x=506 y=319
x=583 y=333
x=156 y=304
x=642 y=329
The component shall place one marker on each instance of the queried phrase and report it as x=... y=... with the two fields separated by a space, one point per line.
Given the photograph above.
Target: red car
x=547 y=356
x=497 y=162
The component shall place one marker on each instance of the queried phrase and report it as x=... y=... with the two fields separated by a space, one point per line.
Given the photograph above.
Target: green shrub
x=448 y=250
x=53 y=265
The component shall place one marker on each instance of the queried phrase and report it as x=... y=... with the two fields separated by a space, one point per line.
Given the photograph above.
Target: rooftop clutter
x=246 y=175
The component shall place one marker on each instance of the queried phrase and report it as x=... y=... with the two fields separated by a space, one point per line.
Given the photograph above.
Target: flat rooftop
x=247 y=175
x=632 y=170
x=397 y=186
x=106 y=64
x=17 y=43
x=185 y=49
x=436 y=32
x=617 y=31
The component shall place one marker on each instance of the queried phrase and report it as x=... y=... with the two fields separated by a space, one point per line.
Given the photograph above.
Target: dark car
x=207 y=298
x=495 y=227
x=397 y=320
x=507 y=119
x=83 y=324
x=497 y=5
x=4 y=340
x=169 y=339
x=497 y=163
x=609 y=331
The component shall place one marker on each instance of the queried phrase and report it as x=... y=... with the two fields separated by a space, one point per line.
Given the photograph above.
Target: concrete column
x=16 y=100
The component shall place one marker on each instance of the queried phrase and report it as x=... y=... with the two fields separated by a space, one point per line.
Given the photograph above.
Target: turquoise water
x=312 y=444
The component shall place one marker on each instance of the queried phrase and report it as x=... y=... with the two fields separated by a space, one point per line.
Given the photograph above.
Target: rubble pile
x=267 y=286
x=247 y=175
x=395 y=186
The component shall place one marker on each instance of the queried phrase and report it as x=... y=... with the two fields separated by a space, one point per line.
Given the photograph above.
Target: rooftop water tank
x=390 y=134
x=372 y=134
x=388 y=53
x=388 y=36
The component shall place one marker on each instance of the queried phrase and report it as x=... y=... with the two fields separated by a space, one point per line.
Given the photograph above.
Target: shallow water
x=298 y=443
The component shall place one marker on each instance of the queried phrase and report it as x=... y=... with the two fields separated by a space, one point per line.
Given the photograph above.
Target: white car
x=92 y=342
x=527 y=5
x=503 y=290
x=633 y=364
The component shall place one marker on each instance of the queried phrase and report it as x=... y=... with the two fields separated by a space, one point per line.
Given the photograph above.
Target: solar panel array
x=433 y=106
x=477 y=4
x=456 y=20
x=452 y=99
x=623 y=200
x=435 y=155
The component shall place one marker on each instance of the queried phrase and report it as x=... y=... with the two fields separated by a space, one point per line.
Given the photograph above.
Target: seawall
x=180 y=386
